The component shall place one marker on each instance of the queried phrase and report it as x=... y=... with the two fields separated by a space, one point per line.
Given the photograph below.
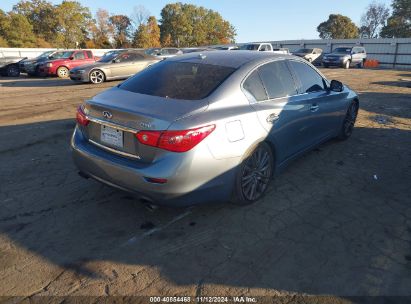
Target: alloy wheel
x=256 y=173
x=62 y=72
x=350 y=119
x=13 y=71
x=96 y=76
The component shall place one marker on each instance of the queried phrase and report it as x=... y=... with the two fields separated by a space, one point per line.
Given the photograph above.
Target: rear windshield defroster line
x=178 y=80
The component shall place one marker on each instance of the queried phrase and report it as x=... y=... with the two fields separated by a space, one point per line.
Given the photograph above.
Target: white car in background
x=262 y=47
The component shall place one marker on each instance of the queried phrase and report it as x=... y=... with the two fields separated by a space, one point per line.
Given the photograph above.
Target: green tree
x=73 y=24
x=122 y=28
x=373 y=19
x=147 y=35
x=338 y=27
x=18 y=32
x=190 y=25
x=399 y=23
x=41 y=15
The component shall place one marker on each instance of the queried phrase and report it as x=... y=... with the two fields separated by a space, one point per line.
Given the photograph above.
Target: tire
x=326 y=66
x=97 y=76
x=361 y=64
x=13 y=71
x=349 y=121
x=253 y=175
x=347 y=64
x=62 y=72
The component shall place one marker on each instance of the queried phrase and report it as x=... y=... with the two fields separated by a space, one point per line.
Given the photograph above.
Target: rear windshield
x=178 y=80
x=249 y=47
x=342 y=50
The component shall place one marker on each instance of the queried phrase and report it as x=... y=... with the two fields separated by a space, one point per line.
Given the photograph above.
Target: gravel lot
x=336 y=222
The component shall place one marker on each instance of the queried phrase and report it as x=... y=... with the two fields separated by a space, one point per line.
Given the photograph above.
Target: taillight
x=175 y=141
x=81 y=117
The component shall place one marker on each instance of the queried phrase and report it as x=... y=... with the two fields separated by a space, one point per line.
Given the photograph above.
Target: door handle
x=272 y=118
x=314 y=108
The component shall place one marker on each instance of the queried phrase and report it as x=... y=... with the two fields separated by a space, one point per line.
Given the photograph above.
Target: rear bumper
x=191 y=179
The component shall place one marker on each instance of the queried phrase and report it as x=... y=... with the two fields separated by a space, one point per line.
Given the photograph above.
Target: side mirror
x=71 y=58
x=336 y=86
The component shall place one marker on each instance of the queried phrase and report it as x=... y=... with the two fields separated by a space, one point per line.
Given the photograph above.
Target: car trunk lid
x=117 y=115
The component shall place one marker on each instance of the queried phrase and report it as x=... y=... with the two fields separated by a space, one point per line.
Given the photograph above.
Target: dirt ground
x=337 y=222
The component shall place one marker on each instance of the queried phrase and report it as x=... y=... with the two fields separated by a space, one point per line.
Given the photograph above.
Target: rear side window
x=277 y=79
x=310 y=80
x=178 y=80
x=89 y=54
x=254 y=87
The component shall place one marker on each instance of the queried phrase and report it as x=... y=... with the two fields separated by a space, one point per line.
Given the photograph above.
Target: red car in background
x=61 y=62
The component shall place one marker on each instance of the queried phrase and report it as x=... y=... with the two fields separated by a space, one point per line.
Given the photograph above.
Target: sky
x=254 y=20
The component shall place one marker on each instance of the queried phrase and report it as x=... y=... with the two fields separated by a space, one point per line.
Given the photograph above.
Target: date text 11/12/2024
x=203 y=299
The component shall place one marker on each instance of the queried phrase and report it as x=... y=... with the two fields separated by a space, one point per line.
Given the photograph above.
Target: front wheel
x=349 y=121
x=13 y=71
x=253 y=175
x=97 y=76
x=62 y=72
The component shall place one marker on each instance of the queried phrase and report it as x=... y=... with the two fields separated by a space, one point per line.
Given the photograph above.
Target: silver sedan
x=211 y=126
x=116 y=65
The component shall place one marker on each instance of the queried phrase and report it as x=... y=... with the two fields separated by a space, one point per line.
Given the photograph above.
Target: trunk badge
x=107 y=114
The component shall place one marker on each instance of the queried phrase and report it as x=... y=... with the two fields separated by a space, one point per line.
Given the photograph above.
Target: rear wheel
x=97 y=76
x=62 y=72
x=13 y=71
x=254 y=175
x=349 y=121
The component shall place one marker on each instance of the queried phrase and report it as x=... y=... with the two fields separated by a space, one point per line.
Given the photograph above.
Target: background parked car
x=31 y=65
x=10 y=65
x=115 y=65
x=281 y=50
x=263 y=47
x=346 y=56
x=163 y=53
x=196 y=49
x=311 y=55
x=60 y=63
x=226 y=48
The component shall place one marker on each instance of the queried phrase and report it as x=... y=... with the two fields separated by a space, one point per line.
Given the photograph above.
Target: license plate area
x=111 y=136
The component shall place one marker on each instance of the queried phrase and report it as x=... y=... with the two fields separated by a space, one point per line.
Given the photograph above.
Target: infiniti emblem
x=107 y=114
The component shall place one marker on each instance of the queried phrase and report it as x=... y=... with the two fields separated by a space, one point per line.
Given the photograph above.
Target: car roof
x=233 y=59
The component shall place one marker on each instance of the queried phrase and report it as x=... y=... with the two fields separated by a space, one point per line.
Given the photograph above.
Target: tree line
x=39 y=23
x=375 y=22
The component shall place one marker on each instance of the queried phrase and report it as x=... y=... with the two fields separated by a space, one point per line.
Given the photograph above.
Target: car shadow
x=399 y=83
x=31 y=82
x=391 y=104
x=334 y=222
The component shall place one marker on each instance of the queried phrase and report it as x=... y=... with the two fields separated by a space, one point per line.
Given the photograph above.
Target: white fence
x=391 y=53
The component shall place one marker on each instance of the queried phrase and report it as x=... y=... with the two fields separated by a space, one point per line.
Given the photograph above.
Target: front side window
x=178 y=80
x=277 y=79
x=310 y=80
